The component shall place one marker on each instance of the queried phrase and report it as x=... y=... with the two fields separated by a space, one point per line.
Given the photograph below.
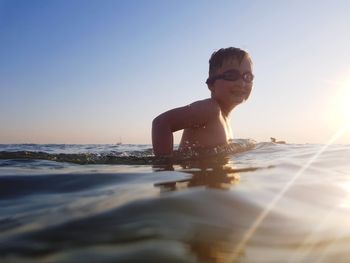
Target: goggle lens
x=234 y=75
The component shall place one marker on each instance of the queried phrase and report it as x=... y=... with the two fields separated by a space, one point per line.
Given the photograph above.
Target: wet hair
x=219 y=57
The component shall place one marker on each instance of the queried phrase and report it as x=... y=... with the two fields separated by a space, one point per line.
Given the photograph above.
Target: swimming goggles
x=232 y=75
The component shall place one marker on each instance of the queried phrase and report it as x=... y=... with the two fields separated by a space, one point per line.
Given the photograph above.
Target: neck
x=225 y=109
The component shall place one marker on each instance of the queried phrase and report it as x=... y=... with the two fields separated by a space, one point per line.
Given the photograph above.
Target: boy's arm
x=163 y=126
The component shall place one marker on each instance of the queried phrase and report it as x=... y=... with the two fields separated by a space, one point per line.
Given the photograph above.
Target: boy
x=206 y=122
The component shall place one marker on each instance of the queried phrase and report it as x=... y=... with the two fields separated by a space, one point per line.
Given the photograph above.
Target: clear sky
x=87 y=71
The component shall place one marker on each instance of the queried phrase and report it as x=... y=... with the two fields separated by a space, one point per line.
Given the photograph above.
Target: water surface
x=116 y=203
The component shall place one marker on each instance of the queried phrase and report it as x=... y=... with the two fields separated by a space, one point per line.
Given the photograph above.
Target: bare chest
x=214 y=133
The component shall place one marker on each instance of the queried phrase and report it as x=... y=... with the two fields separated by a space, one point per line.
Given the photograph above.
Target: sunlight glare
x=342 y=101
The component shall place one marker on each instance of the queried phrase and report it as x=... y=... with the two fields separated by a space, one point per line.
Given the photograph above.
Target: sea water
x=117 y=203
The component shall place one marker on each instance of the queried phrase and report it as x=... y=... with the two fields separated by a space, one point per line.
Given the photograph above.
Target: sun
x=345 y=103
x=342 y=101
x=337 y=112
x=345 y=107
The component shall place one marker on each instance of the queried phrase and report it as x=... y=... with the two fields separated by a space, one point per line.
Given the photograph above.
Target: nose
x=240 y=83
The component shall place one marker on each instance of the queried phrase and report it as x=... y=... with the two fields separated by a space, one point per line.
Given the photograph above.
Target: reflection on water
x=203 y=173
x=215 y=173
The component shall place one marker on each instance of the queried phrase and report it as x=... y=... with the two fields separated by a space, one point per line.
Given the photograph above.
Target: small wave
x=134 y=157
x=211 y=224
x=19 y=186
x=78 y=158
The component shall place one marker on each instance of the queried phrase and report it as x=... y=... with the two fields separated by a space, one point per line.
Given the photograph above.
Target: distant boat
x=120 y=141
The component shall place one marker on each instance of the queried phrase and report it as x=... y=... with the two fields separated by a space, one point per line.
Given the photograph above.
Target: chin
x=237 y=101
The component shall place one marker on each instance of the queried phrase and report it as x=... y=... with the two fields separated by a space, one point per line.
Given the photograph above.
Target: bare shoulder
x=208 y=107
x=196 y=114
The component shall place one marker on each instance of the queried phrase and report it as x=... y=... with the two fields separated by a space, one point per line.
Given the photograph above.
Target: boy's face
x=231 y=93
